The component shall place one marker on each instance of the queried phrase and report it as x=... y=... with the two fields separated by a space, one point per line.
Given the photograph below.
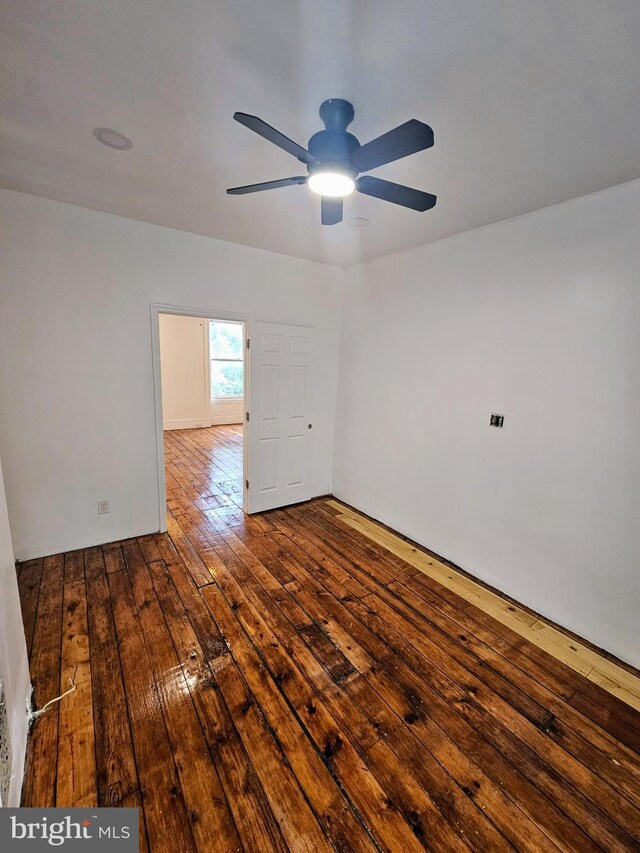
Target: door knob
x=309 y=426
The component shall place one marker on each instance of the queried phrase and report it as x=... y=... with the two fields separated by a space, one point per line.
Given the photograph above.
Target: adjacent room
x=202 y=389
x=320 y=425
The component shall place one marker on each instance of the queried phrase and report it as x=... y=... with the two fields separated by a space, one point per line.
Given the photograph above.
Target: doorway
x=202 y=381
x=199 y=388
x=275 y=436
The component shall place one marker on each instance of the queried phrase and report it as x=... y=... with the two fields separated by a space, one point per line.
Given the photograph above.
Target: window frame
x=240 y=360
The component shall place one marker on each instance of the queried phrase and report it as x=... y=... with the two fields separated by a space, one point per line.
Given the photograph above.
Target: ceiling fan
x=335 y=158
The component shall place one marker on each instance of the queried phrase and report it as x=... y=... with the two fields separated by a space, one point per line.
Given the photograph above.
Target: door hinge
x=246 y=482
x=248 y=344
x=247 y=414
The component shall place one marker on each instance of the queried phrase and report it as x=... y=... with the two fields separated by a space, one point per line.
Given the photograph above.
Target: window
x=225 y=350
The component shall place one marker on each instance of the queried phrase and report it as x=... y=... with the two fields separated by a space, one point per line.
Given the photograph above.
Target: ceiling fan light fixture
x=332 y=184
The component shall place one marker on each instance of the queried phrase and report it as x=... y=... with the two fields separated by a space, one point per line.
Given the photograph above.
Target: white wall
x=186 y=396
x=76 y=386
x=537 y=318
x=14 y=666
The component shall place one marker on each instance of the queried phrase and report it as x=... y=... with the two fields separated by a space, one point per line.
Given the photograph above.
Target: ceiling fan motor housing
x=333 y=146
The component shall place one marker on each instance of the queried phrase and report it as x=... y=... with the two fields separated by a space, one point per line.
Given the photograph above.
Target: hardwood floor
x=615 y=677
x=286 y=682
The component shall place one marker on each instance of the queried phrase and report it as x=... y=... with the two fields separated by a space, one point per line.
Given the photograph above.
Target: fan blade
x=272 y=135
x=408 y=138
x=396 y=193
x=331 y=210
x=268 y=185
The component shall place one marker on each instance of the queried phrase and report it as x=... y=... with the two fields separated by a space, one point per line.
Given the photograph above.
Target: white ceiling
x=531 y=103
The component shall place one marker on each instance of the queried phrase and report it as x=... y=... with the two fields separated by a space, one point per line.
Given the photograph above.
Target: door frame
x=157 y=308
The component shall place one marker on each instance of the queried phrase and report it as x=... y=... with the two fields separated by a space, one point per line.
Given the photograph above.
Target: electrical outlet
x=5 y=749
x=496 y=420
x=103 y=507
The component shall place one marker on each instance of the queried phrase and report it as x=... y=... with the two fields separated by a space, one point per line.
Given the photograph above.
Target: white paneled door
x=280 y=428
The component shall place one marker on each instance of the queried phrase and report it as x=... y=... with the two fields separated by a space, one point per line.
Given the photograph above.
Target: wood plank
x=117 y=779
x=617 y=719
x=205 y=628
x=76 y=774
x=251 y=812
x=192 y=560
x=166 y=817
x=29 y=579
x=42 y=759
x=205 y=801
x=113 y=558
x=295 y=817
x=74 y=566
